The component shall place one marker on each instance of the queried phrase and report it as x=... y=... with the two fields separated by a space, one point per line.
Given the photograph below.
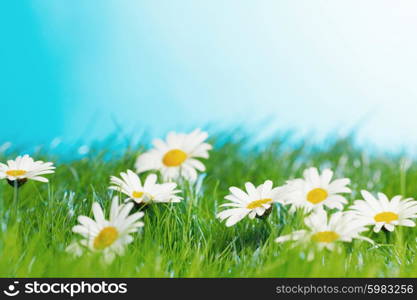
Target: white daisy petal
x=150 y=191
x=315 y=191
x=176 y=157
x=109 y=237
x=382 y=212
x=325 y=231
x=256 y=201
x=98 y=213
x=24 y=168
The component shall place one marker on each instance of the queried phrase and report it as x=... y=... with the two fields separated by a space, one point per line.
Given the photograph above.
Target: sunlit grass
x=185 y=239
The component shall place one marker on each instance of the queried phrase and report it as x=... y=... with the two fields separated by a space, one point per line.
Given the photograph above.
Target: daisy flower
x=256 y=201
x=316 y=191
x=384 y=213
x=109 y=237
x=150 y=191
x=326 y=231
x=23 y=168
x=176 y=157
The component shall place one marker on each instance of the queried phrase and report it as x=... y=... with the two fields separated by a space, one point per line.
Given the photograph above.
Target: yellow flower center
x=137 y=194
x=258 y=203
x=16 y=173
x=386 y=217
x=106 y=237
x=317 y=195
x=174 y=158
x=325 y=237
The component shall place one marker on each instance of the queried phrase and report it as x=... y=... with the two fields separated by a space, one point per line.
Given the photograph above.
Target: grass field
x=185 y=239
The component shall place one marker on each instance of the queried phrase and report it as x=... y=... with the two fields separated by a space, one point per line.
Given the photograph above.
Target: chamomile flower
x=23 y=168
x=256 y=201
x=384 y=213
x=325 y=232
x=109 y=237
x=150 y=191
x=176 y=157
x=316 y=191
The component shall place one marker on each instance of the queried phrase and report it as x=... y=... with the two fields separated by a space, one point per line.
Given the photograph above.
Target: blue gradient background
x=77 y=68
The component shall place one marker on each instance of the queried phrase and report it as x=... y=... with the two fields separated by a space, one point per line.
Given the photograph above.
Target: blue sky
x=76 y=68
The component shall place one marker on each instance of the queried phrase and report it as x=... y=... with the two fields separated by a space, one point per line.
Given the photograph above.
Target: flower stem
x=15 y=198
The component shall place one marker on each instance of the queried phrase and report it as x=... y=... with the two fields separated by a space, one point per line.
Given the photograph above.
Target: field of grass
x=185 y=239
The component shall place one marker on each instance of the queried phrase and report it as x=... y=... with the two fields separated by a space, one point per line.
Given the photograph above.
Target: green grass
x=185 y=239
